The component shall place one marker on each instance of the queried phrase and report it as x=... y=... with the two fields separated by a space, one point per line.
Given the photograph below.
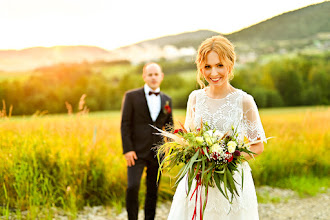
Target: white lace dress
x=237 y=109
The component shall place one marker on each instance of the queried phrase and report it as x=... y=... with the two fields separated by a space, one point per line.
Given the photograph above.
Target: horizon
x=45 y=39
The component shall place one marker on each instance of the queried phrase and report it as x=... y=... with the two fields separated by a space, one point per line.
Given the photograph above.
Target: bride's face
x=214 y=70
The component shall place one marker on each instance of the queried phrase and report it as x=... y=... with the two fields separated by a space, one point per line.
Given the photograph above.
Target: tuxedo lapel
x=145 y=107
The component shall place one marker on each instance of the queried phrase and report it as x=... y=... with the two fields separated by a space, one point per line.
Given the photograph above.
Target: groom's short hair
x=151 y=63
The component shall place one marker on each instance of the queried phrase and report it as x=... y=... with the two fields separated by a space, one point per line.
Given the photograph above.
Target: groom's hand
x=130 y=158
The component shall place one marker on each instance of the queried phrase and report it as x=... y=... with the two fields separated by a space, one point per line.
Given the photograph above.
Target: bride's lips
x=215 y=79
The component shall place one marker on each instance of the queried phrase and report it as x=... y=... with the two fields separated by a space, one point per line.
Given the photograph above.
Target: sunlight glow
x=110 y=24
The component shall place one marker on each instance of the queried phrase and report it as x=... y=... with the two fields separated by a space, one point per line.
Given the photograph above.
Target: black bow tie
x=151 y=92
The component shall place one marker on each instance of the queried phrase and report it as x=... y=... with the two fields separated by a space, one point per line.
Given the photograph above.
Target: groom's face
x=153 y=76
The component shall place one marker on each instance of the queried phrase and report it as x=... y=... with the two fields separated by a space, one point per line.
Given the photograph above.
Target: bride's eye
x=207 y=67
x=220 y=65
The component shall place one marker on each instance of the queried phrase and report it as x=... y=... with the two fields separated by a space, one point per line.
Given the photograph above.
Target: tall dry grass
x=74 y=161
x=298 y=155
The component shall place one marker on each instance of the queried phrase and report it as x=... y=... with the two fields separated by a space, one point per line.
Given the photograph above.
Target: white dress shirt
x=153 y=102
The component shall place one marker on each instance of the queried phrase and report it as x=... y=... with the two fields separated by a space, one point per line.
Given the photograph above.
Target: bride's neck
x=220 y=91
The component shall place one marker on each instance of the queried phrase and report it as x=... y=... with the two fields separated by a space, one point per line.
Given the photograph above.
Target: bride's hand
x=130 y=158
x=257 y=148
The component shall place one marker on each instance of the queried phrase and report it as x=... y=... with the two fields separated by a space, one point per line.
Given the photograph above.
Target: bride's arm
x=252 y=126
x=256 y=148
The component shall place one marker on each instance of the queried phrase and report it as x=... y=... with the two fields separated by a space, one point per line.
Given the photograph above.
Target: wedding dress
x=237 y=109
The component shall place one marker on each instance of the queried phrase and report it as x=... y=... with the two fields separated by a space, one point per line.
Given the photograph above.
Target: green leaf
x=205 y=152
x=203 y=168
x=217 y=183
x=225 y=182
x=189 y=187
x=206 y=195
x=183 y=171
x=187 y=167
x=242 y=179
x=232 y=185
x=221 y=172
x=208 y=177
x=197 y=169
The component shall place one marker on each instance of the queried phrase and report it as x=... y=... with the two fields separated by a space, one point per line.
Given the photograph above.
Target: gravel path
x=281 y=205
x=276 y=204
x=290 y=206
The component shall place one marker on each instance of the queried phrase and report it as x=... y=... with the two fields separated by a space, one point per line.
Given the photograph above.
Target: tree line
x=297 y=81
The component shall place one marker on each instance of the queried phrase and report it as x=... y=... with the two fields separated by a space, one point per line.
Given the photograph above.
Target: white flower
x=231 y=146
x=240 y=143
x=200 y=140
x=209 y=132
x=217 y=134
x=208 y=138
x=216 y=148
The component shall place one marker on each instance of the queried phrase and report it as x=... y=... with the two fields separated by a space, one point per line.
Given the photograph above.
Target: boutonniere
x=167 y=108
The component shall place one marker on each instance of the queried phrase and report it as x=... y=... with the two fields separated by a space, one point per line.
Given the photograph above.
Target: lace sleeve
x=190 y=114
x=251 y=119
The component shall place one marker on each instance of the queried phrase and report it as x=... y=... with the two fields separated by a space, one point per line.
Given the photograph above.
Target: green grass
x=305 y=185
x=110 y=71
x=75 y=161
x=12 y=76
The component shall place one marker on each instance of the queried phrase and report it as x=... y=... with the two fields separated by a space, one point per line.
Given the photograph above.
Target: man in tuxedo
x=141 y=108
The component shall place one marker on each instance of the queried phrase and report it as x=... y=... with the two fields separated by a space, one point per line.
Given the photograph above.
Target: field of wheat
x=72 y=161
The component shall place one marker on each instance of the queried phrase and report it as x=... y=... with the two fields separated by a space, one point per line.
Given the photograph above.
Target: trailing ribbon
x=198 y=191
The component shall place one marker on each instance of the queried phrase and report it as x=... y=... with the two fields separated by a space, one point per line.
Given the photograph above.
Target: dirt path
x=286 y=205
x=276 y=204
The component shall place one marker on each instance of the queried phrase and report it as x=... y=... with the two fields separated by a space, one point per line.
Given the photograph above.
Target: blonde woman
x=222 y=106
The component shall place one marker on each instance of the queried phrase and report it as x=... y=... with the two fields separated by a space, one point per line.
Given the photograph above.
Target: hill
x=187 y=39
x=302 y=23
x=305 y=29
x=31 y=58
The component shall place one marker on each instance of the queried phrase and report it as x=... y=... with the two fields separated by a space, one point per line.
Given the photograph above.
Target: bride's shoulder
x=243 y=93
x=195 y=93
x=247 y=99
x=193 y=96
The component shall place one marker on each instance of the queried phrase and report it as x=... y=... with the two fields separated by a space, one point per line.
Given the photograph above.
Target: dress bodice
x=237 y=109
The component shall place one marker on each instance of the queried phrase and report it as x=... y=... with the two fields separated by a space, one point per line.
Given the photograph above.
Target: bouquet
x=209 y=157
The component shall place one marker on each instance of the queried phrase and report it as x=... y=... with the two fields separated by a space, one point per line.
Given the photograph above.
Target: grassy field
x=11 y=76
x=74 y=161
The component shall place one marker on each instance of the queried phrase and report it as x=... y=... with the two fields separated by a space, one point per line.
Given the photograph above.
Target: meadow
x=72 y=161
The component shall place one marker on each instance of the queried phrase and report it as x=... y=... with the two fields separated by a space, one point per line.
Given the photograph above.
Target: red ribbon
x=198 y=185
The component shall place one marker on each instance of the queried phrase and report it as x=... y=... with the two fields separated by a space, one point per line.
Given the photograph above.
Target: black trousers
x=134 y=174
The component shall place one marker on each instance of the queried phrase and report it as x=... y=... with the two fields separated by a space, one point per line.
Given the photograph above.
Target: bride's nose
x=214 y=71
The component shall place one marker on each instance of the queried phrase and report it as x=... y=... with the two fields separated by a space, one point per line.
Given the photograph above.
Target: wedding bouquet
x=209 y=157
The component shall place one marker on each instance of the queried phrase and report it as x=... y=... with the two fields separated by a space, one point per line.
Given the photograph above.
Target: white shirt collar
x=147 y=89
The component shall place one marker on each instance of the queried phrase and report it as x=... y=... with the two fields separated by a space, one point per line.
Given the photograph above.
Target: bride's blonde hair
x=223 y=47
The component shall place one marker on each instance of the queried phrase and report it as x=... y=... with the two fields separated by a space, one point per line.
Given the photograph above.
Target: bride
x=222 y=106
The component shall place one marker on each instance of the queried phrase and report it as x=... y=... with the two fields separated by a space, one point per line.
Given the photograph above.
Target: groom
x=141 y=108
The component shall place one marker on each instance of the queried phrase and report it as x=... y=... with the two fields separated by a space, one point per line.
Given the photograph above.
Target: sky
x=114 y=23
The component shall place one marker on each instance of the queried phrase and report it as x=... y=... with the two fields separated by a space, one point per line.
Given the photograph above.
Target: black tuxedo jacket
x=136 y=132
